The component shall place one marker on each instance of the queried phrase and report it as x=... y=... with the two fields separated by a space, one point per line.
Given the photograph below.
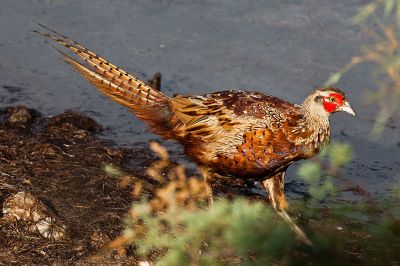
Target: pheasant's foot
x=295 y=228
x=275 y=187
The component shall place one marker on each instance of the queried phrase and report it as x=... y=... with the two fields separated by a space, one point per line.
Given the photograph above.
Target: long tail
x=147 y=103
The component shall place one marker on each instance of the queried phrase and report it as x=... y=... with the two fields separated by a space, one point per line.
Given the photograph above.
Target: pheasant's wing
x=222 y=111
x=237 y=132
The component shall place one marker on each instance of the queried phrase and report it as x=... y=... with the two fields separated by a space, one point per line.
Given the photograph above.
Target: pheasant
x=232 y=133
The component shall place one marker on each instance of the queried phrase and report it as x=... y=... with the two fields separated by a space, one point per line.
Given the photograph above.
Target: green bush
x=230 y=232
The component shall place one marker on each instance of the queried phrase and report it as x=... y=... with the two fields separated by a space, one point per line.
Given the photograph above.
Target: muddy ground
x=284 y=48
x=60 y=163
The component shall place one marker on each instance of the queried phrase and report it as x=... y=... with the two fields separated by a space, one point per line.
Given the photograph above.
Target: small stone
x=38 y=217
x=19 y=115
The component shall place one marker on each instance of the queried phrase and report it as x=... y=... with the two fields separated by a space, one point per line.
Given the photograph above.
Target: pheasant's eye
x=332 y=99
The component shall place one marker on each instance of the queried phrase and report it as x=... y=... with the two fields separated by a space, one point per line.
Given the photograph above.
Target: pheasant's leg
x=275 y=187
x=298 y=231
x=269 y=186
x=276 y=191
x=207 y=175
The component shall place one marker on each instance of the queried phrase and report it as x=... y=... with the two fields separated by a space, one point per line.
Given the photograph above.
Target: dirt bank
x=59 y=161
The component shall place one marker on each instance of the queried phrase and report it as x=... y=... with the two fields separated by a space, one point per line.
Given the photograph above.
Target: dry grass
x=176 y=191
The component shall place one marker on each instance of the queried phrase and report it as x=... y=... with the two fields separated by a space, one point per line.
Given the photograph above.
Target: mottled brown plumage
x=237 y=134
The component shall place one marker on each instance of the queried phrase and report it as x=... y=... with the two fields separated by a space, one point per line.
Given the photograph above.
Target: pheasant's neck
x=317 y=130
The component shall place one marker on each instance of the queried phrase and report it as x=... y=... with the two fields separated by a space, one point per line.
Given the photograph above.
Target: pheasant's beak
x=346 y=108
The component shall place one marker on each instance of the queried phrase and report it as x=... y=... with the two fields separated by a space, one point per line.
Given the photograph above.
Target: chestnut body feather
x=245 y=134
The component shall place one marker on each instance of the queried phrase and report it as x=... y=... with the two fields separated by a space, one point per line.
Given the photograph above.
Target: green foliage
x=396 y=191
x=337 y=76
x=111 y=170
x=310 y=172
x=340 y=154
x=370 y=226
x=365 y=12
x=391 y=8
x=319 y=174
x=230 y=231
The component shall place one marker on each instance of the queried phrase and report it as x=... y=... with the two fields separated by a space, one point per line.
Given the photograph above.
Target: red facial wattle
x=330 y=106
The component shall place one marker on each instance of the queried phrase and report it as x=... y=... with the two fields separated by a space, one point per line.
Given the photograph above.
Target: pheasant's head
x=326 y=101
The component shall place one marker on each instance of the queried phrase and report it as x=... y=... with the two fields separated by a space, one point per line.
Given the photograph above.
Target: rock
x=74 y=121
x=38 y=217
x=19 y=115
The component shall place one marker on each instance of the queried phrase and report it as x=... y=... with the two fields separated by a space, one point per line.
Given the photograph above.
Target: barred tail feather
x=147 y=103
